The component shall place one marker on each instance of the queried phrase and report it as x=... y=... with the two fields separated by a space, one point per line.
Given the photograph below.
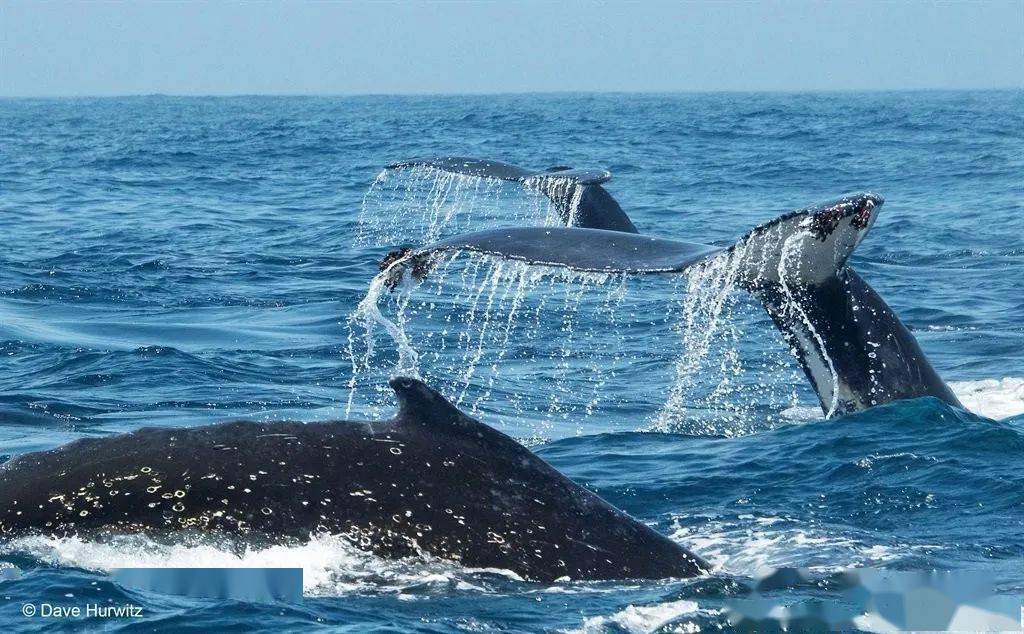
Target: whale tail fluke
x=806 y=246
x=852 y=347
x=803 y=247
x=576 y=193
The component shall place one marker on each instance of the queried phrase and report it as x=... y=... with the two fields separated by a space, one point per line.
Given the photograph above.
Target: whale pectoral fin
x=576 y=193
x=852 y=347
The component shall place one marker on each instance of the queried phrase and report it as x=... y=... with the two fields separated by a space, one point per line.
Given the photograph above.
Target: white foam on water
x=802 y=413
x=993 y=398
x=750 y=545
x=331 y=565
x=642 y=619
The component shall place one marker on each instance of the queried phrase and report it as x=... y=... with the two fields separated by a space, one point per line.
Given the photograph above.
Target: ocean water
x=179 y=261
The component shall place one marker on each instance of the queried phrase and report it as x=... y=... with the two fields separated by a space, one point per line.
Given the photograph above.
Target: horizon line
x=228 y=95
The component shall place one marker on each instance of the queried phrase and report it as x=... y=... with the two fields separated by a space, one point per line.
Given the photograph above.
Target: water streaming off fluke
x=477 y=324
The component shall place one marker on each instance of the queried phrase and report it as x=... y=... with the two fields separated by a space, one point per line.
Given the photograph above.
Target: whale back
x=431 y=480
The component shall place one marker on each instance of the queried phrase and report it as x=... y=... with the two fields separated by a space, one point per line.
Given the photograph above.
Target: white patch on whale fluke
x=331 y=566
x=820 y=366
x=994 y=398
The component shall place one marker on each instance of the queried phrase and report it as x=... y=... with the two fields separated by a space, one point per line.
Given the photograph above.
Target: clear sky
x=63 y=48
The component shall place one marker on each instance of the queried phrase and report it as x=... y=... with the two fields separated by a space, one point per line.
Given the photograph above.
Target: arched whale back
x=431 y=480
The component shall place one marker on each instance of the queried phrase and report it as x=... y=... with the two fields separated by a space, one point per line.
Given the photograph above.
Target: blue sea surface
x=178 y=261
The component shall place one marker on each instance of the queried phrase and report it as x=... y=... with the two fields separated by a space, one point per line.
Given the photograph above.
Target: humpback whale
x=576 y=193
x=848 y=341
x=430 y=480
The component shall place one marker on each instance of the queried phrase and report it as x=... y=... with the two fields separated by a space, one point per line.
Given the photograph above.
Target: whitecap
x=994 y=398
x=331 y=566
x=642 y=619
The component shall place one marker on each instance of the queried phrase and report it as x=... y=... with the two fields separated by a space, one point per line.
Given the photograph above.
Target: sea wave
x=994 y=398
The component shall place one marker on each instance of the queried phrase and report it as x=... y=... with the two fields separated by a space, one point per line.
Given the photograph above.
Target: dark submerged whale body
x=431 y=480
x=851 y=345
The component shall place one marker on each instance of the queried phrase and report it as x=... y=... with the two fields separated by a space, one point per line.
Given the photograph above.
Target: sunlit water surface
x=182 y=261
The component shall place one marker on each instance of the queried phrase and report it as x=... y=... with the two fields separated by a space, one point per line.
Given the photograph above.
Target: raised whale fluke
x=595 y=250
x=805 y=246
x=849 y=342
x=576 y=193
x=852 y=347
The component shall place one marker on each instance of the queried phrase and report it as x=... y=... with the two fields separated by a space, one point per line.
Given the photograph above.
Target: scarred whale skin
x=431 y=480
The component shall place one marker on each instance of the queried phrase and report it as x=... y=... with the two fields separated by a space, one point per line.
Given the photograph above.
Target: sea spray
x=331 y=564
x=476 y=322
x=563 y=194
x=422 y=204
x=503 y=319
x=562 y=346
x=727 y=381
x=368 y=315
x=705 y=319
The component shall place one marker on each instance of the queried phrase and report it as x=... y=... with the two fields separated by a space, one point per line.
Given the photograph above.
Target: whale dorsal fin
x=418 y=403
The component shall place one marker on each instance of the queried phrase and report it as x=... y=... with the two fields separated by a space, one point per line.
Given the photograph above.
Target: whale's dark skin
x=430 y=480
x=576 y=193
x=851 y=345
x=875 y=358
